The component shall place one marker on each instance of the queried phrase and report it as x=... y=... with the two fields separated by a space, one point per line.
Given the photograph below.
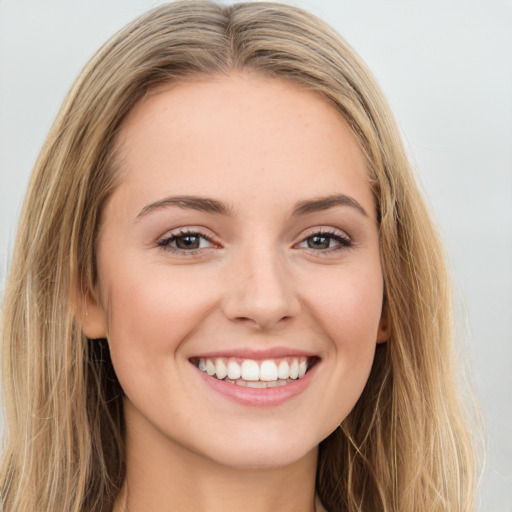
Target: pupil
x=318 y=242
x=188 y=242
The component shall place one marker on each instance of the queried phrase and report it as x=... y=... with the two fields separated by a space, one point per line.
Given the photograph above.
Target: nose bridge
x=261 y=289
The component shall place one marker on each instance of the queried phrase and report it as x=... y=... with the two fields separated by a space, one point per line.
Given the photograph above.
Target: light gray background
x=446 y=68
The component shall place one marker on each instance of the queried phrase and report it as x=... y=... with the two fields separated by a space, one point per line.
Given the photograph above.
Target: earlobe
x=384 y=330
x=91 y=315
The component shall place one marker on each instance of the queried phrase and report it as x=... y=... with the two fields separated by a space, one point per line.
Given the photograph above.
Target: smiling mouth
x=251 y=373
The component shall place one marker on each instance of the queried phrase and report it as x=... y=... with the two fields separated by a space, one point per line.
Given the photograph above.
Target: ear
x=384 y=330
x=90 y=314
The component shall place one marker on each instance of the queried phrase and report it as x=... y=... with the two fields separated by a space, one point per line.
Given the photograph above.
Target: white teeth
x=303 y=366
x=276 y=383
x=294 y=369
x=234 y=371
x=284 y=370
x=210 y=367
x=268 y=371
x=221 y=369
x=250 y=370
x=256 y=384
x=262 y=384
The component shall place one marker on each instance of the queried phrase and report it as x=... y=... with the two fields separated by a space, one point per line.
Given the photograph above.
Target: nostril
x=264 y=322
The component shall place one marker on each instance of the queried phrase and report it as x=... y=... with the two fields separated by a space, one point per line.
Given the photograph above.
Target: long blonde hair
x=404 y=447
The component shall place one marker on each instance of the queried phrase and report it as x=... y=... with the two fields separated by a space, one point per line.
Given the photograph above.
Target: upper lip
x=256 y=353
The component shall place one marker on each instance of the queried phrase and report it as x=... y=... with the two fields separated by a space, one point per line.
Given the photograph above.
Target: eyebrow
x=324 y=203
x=202 y=204
x=208 y=205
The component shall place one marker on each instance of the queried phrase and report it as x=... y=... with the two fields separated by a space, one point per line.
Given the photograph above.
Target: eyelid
x=345 y=241
x=324 y=230
x=164 y=241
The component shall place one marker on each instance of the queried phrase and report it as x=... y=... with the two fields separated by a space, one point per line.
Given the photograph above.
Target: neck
x=163 y=476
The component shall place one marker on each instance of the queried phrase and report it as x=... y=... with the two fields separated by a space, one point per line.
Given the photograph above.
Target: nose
x=260 y=290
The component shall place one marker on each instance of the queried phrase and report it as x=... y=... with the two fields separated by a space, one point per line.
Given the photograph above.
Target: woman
x=226 y=291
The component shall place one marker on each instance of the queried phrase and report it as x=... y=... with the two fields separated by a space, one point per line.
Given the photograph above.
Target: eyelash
x=166 y=242
x=344 y=242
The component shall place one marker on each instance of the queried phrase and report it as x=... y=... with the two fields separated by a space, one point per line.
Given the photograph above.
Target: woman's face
x=239 y=250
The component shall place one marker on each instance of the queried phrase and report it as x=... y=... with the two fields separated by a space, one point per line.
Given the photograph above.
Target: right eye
x=186 y=242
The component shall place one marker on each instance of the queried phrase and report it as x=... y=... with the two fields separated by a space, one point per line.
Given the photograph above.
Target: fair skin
x=280 y=263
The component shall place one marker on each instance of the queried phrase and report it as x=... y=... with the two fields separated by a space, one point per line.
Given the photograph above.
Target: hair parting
x=406 y=444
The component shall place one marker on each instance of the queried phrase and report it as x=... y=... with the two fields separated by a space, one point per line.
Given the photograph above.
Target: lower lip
x=259 y=397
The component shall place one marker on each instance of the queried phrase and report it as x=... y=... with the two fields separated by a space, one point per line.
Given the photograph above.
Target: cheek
x=150 y=314
x=348 y=305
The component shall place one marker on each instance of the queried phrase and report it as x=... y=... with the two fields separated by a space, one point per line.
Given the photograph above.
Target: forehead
x=226 y=132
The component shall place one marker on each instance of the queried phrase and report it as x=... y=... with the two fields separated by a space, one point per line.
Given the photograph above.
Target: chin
x=266 y=452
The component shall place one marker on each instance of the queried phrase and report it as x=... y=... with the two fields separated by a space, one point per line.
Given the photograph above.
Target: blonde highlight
x=406 y=444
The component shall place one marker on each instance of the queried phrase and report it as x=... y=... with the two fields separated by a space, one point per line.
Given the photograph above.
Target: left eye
x=186 y=241
x=324 y=241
